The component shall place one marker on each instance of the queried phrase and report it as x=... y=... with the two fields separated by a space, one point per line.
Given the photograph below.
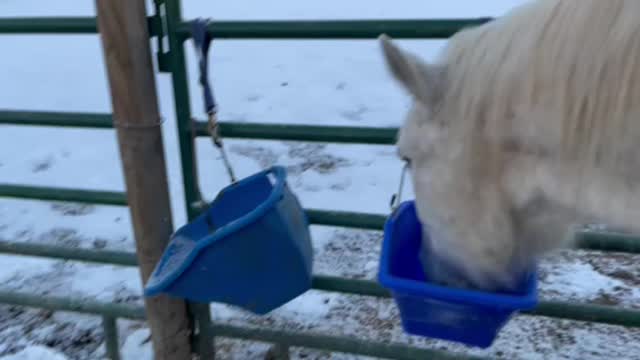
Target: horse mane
x=562 y=76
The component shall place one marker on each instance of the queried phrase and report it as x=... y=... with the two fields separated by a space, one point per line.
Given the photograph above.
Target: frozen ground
x=311 y=82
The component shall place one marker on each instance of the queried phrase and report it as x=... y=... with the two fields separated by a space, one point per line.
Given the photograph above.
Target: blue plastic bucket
x=426 y=309
x=251 y=248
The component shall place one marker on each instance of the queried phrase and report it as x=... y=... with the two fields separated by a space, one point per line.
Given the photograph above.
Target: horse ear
x=420 y=79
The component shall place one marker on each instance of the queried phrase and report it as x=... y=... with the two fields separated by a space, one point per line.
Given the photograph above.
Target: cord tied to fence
x=202 y=41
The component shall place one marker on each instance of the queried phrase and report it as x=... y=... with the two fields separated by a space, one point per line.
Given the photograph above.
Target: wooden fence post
x=125 y=42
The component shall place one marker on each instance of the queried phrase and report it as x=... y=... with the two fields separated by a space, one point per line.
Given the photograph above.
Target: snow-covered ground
x=311 y=82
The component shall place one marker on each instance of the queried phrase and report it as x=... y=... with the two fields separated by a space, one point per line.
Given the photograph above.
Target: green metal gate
x=171 y=26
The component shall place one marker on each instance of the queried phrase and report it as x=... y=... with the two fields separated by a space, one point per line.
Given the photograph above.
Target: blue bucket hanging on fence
x=426 y=309
x=251 y=248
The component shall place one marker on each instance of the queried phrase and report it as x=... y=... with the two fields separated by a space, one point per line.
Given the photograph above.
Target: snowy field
x=310 y=82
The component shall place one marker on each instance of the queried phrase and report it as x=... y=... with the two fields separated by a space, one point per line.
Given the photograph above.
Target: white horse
x=522 y=128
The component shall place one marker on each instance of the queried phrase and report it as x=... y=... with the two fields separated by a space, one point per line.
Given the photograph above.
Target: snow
x=35 y=352
x=581 y=280
x=102 y=282
x=136 y=347
x=15 y=267
x=319 y=82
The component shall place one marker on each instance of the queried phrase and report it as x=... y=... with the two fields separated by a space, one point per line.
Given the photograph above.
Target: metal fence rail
x=588 y=240
x=110 y=311
x=307 y=133
x=176 y=30
x=61 y=119
x=288 y=29
x=555 y=309
x=335 y=29
x=330 y=134
x=62 y=194
x=48 y=25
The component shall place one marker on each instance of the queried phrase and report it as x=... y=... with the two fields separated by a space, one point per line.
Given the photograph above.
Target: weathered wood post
x=125 y=43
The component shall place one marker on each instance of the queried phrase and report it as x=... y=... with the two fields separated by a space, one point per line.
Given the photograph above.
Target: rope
x=202 y=40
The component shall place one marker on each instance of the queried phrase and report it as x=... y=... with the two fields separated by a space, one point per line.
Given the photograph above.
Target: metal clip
x=212 y=126
x=396 y=198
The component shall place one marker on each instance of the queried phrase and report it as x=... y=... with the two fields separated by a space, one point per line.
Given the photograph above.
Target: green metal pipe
x=199 y=313
x=72 y=304
x=603 y=241
x=599 y=241
x=62 y=119
x=294 y=29
x=349 y=286
x=278 y=351
x=61 y=194
x=186 y=130
x=592 y=313
x=330 y=134
x=345 y=344
x=318 y=341
x=60 y=25
x=48 y=25
x=336 y=29
x=585 y=240
x=554 y=309
x=580 y=312
x=589 y=240
x=110 y=328
x=69 y=253
x=588 y=313
x=346 y=219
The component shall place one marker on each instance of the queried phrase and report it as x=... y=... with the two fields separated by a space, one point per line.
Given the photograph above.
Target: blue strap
x=202 y=40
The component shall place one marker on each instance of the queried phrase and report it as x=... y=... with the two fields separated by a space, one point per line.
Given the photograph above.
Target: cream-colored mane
x=562 y=74
x=523 y=127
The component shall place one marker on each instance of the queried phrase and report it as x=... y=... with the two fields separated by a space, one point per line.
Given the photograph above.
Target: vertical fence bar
x=186 y=136
x=278 y=351
x=110 y=327
x=186 y=131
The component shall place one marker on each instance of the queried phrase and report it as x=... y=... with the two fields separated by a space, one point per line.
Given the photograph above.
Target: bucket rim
x=399 y=286
x=156 y=286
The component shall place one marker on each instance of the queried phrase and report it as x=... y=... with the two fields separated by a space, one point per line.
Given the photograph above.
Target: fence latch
x=158 y=28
